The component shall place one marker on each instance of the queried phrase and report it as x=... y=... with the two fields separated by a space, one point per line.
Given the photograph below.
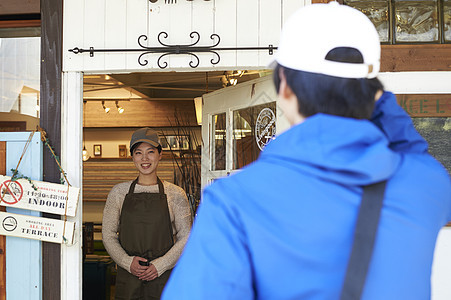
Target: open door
x=237 y=123
x=2 y=238
x=21 y=271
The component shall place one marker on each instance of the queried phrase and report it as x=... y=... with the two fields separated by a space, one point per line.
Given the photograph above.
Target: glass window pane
x=218 y=155
x=377 y=12
x=447 y=19
x=253 y=128
x=19 y=80
x=436 y=131
x=416 y=21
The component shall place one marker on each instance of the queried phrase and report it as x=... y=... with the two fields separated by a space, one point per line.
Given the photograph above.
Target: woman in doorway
x=146 y=223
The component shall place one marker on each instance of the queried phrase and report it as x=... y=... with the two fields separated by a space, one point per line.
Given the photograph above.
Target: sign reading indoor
x=39 y=196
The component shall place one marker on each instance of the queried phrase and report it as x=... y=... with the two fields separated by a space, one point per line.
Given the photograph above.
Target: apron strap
x=160 y=186
x=131 y=190
x=163 y=196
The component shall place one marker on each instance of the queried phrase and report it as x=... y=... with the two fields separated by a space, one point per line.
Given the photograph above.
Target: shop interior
x=114 y=106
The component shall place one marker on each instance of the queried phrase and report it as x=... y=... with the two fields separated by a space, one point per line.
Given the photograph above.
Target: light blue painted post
x=23 y=256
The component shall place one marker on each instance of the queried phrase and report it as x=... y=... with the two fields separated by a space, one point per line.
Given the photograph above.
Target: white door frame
x=71 y=161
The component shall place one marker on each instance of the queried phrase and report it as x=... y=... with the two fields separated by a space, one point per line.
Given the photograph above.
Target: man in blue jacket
x=282 y=228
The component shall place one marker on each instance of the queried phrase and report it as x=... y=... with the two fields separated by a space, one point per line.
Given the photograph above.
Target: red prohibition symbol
x=11 y=192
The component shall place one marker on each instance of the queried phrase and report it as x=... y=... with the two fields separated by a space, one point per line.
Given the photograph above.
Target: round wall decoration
x=265 y=127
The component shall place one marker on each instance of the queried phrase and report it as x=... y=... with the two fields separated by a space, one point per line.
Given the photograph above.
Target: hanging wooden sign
x=426 y=105
x=39 y=196
x=36 y=228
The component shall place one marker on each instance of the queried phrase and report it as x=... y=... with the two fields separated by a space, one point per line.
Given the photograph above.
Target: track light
x=120 y=109
x=107 y=109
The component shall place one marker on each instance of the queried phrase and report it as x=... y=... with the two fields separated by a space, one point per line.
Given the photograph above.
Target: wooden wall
x=50 y=121
x=19 y=13
x=12 y=7
x=426 y=105
x=141 y=113
x=117 y=24
x=100 y=175
x=426 y=57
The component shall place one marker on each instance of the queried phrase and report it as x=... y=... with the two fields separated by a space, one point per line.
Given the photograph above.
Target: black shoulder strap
x=364 y=237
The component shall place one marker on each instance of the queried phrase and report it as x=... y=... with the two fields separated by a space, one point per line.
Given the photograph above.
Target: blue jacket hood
x=331 y=148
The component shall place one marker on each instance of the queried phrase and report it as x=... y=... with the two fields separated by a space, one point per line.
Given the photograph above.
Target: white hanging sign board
x=49 y=197
x=36 y=228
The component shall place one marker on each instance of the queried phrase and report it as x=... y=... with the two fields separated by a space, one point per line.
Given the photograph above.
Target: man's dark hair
x=318 y=93
x=132 y=150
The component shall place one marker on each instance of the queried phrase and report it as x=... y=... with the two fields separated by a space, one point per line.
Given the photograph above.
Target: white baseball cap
x=314 y=30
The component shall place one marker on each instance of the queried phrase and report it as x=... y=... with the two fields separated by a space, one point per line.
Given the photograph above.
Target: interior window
x=253 y=128
x=19 y=82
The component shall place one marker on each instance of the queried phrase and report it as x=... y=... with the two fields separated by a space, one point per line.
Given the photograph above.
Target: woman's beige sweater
x=179 y=212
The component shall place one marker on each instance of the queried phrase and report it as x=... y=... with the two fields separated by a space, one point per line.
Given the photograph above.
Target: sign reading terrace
x=36 y=228
x=48 y=197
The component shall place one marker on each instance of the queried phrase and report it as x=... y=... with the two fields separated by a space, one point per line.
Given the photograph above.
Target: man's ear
x=284 y=90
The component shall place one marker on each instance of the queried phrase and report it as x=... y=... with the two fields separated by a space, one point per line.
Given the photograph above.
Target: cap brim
x=152 y=143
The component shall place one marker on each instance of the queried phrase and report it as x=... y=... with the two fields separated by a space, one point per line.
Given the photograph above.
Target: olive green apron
x=146 y=231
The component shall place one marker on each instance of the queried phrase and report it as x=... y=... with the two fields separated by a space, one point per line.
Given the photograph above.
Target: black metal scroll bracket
x=190 y=49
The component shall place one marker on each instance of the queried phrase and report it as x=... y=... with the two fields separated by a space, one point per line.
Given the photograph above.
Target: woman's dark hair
x=318 y=93
x=132 y=150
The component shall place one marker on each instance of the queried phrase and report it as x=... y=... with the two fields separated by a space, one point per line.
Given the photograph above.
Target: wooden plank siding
x=100 y=175
x=117 y=24
x=141 y=113
x=14 y=7
x=19 y=23
x=426 y=105
x=2 y=238
x=426 y=57
x=50 y=120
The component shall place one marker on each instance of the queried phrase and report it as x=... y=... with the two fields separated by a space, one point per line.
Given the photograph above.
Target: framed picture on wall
x=122 y=151
x=97 y=150
x=175 y=142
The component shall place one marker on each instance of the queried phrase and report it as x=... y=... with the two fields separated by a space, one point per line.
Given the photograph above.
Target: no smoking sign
x=11 y=192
